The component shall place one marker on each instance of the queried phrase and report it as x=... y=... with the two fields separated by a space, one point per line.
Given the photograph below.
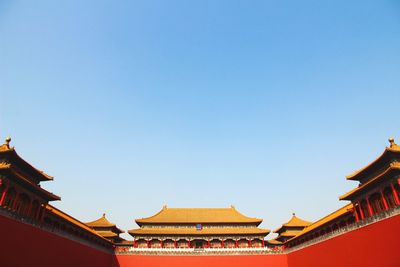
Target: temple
x=198 y=228
x=363 y=232
x=106 y=229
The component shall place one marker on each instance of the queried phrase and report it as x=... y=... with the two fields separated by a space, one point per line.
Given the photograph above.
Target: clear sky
x=265 y=105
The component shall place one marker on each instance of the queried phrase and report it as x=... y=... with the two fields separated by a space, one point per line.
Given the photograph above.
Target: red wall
x=202 y=261
x=23 y=245
x=374 y=245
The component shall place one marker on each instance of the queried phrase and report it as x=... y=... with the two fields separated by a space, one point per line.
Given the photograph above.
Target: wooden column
x=371 y=211
x=236 y=243
x=361 y=211
x=16 y=199
x=175 y=244
x=262 y=242
x=3 y=196
x=385 y=204
x=356 y=213
x=396 y=197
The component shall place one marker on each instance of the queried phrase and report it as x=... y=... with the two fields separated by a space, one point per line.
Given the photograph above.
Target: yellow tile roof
x=107 y=234
x=204 y=231
x=101 y=222
x=293 y=222
x=198 y=215
x=393 y=148
x=392 y=166
x=290 y=233
x=5 y=149
x=274 y=242
x=330 y=217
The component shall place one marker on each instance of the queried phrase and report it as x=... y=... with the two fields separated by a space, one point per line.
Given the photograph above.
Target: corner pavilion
x=288 y=230
x=106 y=229
x=198 y=228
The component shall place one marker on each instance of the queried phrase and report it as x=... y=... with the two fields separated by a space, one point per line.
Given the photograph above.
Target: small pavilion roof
x=197 y=215
x=293 y=222
x=195 y=232
x=103 y=222
x=393 y=149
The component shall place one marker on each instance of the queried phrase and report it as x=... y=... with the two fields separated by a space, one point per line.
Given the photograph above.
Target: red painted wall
x=374 y=245
x=23 y=245
x=202 y=261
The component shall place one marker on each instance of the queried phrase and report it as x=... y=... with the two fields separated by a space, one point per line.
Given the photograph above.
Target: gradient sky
x=265 y=105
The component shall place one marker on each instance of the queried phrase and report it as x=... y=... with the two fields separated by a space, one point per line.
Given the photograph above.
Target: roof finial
x=294 y=214
x=104 y=215
x=391 y=141
x=7 y=142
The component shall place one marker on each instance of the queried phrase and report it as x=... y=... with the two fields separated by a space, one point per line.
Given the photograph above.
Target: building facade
x=198 y=228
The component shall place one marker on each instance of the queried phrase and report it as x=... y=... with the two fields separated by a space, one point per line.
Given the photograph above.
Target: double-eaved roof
x=385 y=166
x=198 y=222
x=198 y=215
x=27 y=175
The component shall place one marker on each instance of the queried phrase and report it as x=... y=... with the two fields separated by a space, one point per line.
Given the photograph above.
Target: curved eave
x=40 y=175
x=194 y=232
x=44 y=193
x=274 y=242
x=156 y=220
x=348 y=196
x=358 y=175
x=140 y=223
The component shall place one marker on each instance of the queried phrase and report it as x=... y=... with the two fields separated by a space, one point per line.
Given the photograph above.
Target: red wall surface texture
x=23 y=245
x=202 y=261
x=374 y=245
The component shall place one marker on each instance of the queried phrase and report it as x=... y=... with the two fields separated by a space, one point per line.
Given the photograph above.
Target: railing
x=343 y=230
x=197 y=251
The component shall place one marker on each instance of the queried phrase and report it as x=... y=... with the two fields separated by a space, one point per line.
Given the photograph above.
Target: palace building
x=198 y=228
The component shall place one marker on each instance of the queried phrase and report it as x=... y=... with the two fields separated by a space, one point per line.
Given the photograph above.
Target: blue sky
x=265 y=105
